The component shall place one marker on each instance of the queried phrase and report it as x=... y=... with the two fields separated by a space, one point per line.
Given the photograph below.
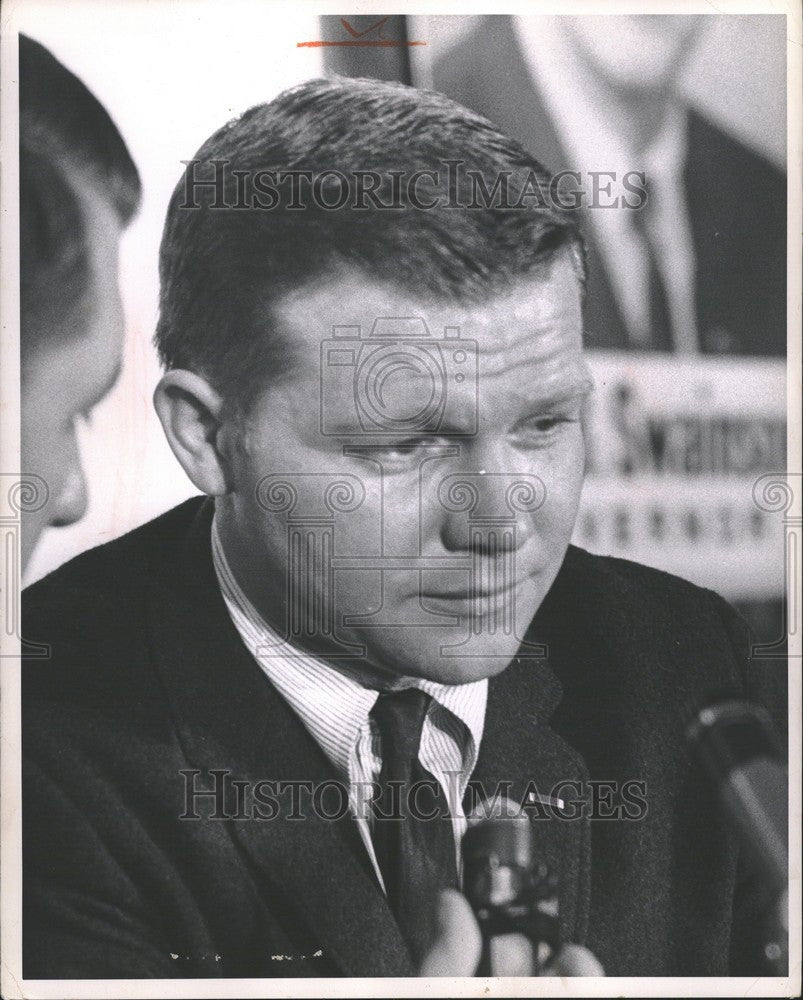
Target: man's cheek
x=556 y=517
x=570 y=472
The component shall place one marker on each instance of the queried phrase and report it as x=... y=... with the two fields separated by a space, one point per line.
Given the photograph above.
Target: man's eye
x=540 y=430
x=546 y=424
x=400 y=451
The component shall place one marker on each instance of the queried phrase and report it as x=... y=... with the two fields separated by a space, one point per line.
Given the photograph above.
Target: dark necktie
x=416 y=854
x=660 y=332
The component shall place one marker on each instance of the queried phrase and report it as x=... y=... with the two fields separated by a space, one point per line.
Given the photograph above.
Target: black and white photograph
x=400 y=495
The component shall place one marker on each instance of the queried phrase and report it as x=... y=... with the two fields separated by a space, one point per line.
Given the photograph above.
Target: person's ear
x=191 y=414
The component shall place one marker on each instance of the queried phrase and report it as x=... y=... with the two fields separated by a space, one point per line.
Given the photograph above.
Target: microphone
x=510 y=890
x=735 y=743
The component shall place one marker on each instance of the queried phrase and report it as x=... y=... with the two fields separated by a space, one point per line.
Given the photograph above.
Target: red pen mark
x=358 y=38
x=359 y=34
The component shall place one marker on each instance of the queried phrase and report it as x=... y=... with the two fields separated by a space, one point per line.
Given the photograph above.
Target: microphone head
x=734 y=742
x=729 y=732
x=498 y=853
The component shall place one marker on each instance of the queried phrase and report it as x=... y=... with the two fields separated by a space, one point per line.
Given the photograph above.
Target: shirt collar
x=332 y=705
x=467 y=702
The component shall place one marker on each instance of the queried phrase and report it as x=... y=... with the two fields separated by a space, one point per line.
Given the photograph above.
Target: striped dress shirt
x=334 y=707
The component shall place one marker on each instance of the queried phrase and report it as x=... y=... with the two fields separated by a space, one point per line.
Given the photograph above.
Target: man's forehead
x=545 y=305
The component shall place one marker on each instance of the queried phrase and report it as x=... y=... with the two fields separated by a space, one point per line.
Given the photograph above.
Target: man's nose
x=72 y=501
x=489 y=512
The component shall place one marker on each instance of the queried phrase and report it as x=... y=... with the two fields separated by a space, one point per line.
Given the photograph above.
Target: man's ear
x=191 y=413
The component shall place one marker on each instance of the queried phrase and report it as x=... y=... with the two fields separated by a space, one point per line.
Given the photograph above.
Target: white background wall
x=171 y=72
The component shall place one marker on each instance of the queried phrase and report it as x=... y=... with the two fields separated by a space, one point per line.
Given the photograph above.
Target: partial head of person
x=78 y=189
x=374 y=364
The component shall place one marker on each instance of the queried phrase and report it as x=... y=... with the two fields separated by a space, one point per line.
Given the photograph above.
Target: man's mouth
x=474 y=593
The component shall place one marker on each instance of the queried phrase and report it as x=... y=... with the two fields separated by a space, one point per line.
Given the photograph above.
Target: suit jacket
x=736 y=202
x=148 y=678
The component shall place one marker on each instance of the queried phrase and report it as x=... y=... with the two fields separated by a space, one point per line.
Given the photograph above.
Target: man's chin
x=446 y=655
x=442 y=661
x=464 y=670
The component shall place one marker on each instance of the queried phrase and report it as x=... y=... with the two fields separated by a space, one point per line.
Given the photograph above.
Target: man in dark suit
x=384 y=405
x=705 y=272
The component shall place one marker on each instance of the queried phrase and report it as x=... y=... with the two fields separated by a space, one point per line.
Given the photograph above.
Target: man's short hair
x=230 y=249
x=67 y=141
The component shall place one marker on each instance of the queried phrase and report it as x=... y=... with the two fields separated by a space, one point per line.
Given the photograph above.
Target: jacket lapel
x=574 y=717
x=535 y=765
x=228 y=716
